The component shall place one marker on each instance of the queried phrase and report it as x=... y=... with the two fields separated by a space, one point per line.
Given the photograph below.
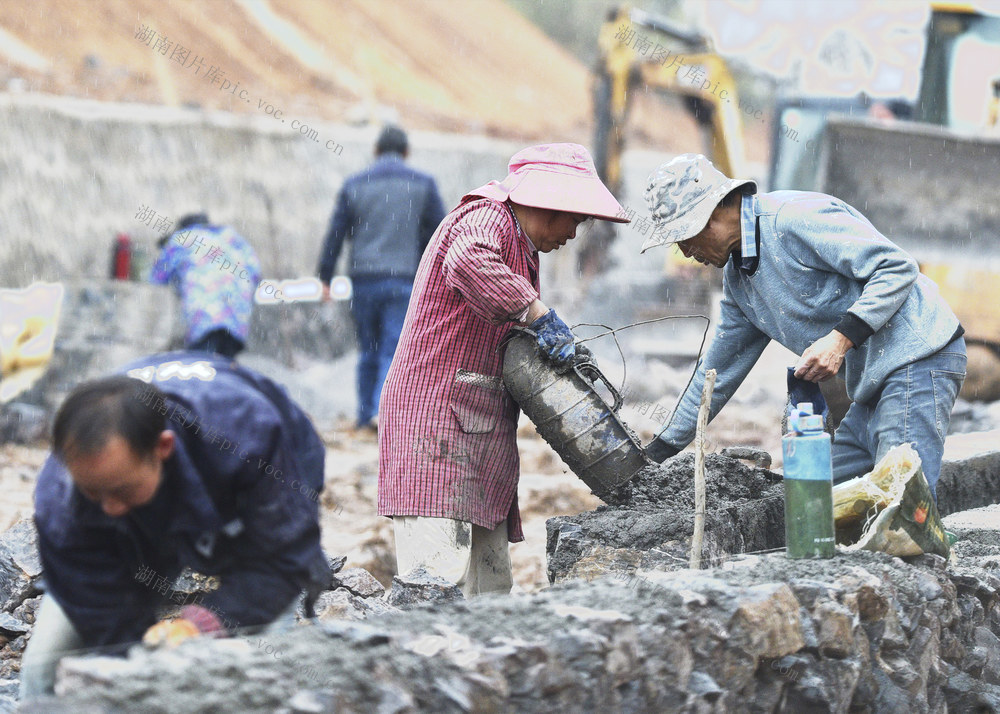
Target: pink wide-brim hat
x=559 y=177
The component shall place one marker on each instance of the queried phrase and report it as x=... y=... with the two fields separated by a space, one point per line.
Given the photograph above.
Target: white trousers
x=476 y=559
x=52 y=638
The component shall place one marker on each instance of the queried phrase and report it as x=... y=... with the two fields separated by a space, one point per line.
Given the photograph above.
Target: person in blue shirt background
x=176 y=463
x=389 y=211
x=215 y=272
x=811 y=272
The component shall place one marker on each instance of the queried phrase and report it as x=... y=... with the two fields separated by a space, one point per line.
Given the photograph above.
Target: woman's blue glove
x=554 y=338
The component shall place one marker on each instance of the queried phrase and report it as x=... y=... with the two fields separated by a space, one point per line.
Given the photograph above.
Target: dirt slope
x=475 y=65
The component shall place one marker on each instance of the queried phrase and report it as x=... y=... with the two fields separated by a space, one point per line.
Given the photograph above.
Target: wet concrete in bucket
x=648 y=522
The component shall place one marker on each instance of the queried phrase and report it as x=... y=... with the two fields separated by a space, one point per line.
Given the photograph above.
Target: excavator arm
x=637 y=49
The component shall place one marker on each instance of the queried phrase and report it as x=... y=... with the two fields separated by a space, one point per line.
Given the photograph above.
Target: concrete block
x=418 y=586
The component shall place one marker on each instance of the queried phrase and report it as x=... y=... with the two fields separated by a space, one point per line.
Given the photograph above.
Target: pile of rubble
x=354 y=594
x=20 y=569
x=864 y=632
x=649 y=521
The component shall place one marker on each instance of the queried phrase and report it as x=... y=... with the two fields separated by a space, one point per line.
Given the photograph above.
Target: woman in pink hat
x=448 y=462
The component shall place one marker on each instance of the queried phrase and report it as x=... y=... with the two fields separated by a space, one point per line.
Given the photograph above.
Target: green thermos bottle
x=808 y=479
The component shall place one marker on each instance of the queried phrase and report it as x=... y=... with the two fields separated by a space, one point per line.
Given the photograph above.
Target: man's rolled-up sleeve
x=474 y=266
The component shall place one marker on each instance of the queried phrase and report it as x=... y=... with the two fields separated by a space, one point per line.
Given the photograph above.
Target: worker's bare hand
x=822 y=359
x=170 y=633
x=535 y=310
x=326 y=292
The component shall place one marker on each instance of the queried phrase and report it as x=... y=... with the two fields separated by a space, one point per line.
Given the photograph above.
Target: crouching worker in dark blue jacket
x=184 y=460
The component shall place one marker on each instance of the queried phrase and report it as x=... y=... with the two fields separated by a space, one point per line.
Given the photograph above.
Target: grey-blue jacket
x=821 y=265
x=389 y=211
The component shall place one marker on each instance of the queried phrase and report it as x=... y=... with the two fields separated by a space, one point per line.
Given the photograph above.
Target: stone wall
x=77 y=173
x=865 y=632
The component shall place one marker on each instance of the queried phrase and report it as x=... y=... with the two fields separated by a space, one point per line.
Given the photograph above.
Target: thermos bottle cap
x=801 y=419
x=812 y=422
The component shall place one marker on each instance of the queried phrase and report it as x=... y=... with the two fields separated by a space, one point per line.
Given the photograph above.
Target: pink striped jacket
x=447 y=426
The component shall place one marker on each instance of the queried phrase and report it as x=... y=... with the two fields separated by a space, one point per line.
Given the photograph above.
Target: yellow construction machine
x=926 y=177
x=639 y=52
x=924 y=173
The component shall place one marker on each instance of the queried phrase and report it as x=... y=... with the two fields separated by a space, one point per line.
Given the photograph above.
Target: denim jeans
x=914 y=406
x=379 y=308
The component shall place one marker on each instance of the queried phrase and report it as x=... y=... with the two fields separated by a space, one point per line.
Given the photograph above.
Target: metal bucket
x=572 y=416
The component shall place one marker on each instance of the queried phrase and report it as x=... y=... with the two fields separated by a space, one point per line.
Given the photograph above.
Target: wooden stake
x=699 y=469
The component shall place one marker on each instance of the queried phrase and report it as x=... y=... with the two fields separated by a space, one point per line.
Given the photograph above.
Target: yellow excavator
x=924 y=173
x=637 y=52
x=640 y=50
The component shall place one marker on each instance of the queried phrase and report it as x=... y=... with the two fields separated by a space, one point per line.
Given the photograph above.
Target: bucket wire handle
x=590 y=372
x=611 y=331
x=586 y=369
x=618 y=399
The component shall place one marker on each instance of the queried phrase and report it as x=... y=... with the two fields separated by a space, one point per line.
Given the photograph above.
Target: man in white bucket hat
x=448 y=462
x=809 y=271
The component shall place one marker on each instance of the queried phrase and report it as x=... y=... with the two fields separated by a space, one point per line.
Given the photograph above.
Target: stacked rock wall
x=79 y=173
x=860 y=633
x=864 y=632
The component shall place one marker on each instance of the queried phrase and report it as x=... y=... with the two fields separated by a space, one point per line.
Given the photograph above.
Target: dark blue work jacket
x=239 y=499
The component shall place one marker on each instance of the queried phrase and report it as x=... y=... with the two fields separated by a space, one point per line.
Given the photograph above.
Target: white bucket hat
x=682 y=194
